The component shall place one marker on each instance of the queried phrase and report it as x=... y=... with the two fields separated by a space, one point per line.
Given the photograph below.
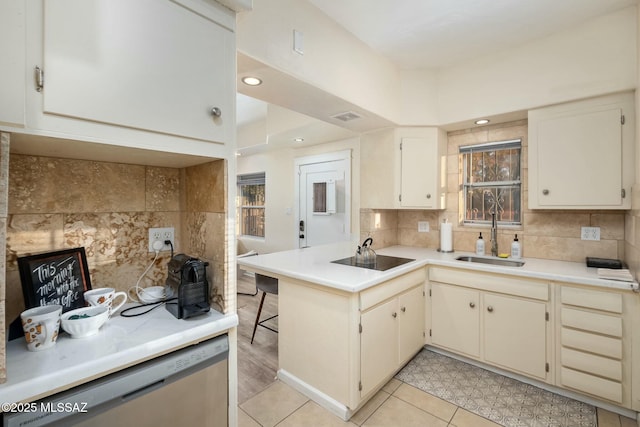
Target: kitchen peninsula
x=345 y=330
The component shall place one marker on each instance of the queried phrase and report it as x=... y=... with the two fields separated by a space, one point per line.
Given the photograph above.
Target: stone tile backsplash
x=546 y=234
x=107 y=208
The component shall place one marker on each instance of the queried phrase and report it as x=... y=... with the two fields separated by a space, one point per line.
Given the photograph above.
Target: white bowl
x=84 y=326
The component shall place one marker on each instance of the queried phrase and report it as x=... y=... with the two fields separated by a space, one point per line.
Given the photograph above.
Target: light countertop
x=121 y=342
x=314 y=265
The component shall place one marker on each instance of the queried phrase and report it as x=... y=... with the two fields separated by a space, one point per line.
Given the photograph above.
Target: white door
x=324 y=202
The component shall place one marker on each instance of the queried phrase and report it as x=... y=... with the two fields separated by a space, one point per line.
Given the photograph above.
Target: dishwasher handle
x=143 y=390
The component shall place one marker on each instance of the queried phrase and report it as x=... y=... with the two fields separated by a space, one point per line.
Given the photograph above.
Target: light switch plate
x=423 y=226
x=590 y=233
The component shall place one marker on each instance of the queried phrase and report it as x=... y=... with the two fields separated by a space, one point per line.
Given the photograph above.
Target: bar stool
x=247 y=254
x=268 y=285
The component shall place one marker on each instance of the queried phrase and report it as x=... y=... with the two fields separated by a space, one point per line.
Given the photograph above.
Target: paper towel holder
x=450 y=238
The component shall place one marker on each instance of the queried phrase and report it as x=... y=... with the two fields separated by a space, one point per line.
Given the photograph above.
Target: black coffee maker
x=187 y=288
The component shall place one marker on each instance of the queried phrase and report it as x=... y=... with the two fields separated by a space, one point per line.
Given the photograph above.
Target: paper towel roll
x=446 y=237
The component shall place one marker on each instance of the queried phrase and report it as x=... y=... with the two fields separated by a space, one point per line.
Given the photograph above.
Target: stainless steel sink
x=494 y=261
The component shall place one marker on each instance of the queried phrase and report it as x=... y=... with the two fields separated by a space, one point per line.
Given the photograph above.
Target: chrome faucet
x=494 y=235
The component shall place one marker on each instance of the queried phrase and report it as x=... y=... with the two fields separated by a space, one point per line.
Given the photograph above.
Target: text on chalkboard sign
x=59 y=277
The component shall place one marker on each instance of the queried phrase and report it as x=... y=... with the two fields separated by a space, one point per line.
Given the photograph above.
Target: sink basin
x=494 y=261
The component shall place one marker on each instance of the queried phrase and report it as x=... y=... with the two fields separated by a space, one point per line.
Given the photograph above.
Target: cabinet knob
x=490 y=309
x=472 y=304
x=403 y=309
x=216 y=112
x=395 y=314
x=545 y=192
x=429 y=196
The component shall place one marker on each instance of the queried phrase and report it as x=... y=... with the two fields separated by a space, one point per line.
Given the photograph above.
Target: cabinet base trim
x=557 y=390
x=327 y=402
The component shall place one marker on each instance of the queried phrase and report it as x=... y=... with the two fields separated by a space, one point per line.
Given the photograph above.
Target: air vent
x=346 y=116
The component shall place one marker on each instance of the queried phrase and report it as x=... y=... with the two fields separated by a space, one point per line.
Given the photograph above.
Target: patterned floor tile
x=503 y=400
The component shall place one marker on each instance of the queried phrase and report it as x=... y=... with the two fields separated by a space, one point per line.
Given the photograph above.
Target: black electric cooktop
x=383 y=262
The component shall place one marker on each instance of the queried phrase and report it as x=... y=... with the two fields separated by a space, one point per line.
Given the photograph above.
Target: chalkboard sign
x=59 y=277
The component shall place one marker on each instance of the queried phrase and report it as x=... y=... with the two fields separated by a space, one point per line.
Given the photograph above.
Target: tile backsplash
x=107 y=208
x=547 y=234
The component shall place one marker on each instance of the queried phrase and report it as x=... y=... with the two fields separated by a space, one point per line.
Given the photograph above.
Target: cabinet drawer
x=606 y=301
x=503 y=284
x=602 y=366
x=607 y=389
x=389 y=289
x=580 y=340
x=594 y=322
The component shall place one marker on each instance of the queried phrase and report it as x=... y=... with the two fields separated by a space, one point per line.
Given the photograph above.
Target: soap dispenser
x=480 y=245
x=515 y=248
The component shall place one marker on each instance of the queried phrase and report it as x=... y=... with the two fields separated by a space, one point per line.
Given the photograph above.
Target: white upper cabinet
x=148 y=73
x=404 y=168
x=581 y=154
x=422 y=175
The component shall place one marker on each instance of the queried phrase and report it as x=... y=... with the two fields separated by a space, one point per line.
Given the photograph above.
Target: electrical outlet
x=161 y=234
x=590 y=233
x=423 y=226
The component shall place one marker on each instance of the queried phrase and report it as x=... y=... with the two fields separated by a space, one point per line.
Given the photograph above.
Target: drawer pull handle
x=472 y=304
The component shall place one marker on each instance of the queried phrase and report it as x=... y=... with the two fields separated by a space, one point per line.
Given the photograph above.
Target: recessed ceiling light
x=251 y=81
x=298 y=139
x=482 y=121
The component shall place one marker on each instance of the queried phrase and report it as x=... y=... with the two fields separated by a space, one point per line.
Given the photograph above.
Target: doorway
x=324 y=198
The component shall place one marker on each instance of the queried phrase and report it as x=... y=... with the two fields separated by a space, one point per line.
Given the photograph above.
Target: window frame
x=465 y=152
x=244 y=180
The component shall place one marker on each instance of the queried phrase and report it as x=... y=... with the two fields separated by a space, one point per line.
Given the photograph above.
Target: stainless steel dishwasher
x=185 y=387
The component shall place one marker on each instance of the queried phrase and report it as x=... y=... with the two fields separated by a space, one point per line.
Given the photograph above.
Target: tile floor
x=503 y=400
x=397 y=405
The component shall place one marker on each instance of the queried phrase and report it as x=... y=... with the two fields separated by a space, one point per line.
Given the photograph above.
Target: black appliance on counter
x=187 y=283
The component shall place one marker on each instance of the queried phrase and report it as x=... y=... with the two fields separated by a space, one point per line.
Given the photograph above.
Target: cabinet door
x=419 y=172
x=570 y=149
x=144 y=64
x=455 y=318
x=515 y=334
x=411 y=337
x=378 y=344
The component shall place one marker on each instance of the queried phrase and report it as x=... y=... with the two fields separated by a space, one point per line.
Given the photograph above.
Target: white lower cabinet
x=391 y=334
x=499 y=320
x=346 y=345
x=592 y=354
x=455 y=318
x=378 y=354
x=515 y=334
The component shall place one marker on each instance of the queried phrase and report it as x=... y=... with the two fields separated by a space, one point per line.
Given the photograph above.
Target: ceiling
x=438 y=33
x=419 y=34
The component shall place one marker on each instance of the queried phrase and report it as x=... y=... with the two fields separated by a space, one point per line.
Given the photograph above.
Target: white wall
x=594 y=58
x=280 y=226
x=333 y=59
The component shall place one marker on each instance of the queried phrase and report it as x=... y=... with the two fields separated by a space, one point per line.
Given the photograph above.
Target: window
x=491 y=182
x=251 y=190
